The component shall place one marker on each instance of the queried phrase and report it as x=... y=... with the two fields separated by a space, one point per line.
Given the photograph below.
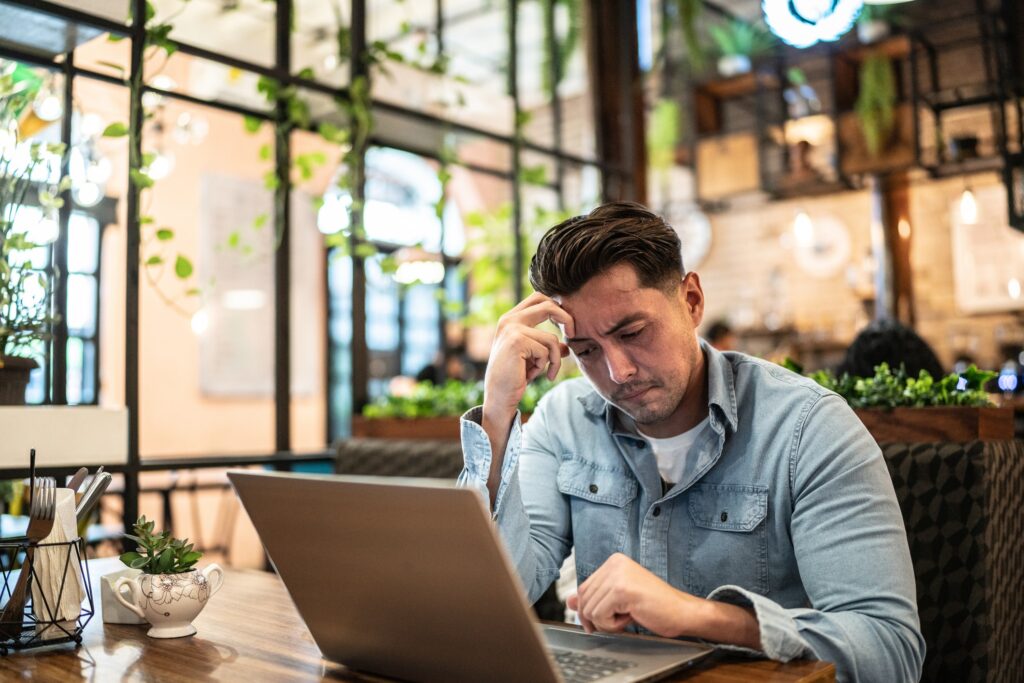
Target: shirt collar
x=721 y=395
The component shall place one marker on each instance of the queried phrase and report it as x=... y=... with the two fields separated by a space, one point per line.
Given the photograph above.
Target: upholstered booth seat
x=440 y=459
x=963 y=505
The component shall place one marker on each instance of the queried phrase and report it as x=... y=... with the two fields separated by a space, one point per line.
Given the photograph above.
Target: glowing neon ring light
x=802 y=23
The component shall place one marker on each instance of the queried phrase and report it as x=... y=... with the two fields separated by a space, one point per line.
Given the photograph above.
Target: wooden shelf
x=737 y=86
x=893 y=47
x=976 y=165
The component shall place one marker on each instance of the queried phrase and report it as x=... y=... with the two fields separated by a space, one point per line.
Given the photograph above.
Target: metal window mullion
x=517 y=145
x=282 y=219
x=57 y=368
x=132 y=250
x=358 y=348
x=555 y=74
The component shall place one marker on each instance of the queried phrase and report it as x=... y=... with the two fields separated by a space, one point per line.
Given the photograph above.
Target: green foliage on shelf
x=888 y=389
x=741 y=38
x=663 y=134
x=450 y=399
x=876 y=103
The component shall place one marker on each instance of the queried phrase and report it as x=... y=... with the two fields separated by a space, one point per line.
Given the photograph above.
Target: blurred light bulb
x=331 y=62
x=48 y=106
x=333 y=214
x=904 y=228
x=803 y=229
x=161 y=166
x=1013 y=288
x=87 y=194
x=200 y=322
x=91 y=125
x=968 y=208
x=99 y=170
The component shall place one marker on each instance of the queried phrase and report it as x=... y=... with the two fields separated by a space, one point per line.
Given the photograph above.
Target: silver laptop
x=407 y=579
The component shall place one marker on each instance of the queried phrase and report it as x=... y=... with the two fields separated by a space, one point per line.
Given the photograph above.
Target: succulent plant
x=159 y=553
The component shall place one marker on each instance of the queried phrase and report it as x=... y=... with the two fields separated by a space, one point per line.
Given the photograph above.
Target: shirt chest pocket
x=728 y=537
x=599 y=499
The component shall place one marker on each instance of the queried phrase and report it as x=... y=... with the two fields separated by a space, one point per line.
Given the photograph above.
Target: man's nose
x=620 y=367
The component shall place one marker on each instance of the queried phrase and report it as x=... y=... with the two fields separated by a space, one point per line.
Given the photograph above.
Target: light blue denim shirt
x=785 y=506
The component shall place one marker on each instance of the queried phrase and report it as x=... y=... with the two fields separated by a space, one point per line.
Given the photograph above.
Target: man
x=707 y=494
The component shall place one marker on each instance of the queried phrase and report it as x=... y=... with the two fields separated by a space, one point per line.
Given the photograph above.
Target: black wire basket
x=37 y=625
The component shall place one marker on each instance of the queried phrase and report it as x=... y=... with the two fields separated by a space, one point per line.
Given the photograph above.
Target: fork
x=43 y=511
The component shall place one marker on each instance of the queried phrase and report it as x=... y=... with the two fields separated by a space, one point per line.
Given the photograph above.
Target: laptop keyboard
x=580 y=668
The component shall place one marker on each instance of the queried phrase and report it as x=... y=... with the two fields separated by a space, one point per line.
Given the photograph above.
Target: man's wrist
x=724 y=622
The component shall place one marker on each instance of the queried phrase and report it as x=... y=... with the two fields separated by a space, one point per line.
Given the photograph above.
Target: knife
x=77 y=480
x=91 y=497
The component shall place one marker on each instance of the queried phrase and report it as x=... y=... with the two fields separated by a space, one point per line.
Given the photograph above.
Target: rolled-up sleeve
x=852 y=553
x=533 y=521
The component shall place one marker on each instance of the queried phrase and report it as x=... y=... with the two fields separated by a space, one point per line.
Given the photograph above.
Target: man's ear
x=692 y=296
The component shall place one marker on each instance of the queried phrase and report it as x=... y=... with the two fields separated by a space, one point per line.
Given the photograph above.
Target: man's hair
x=574 y=251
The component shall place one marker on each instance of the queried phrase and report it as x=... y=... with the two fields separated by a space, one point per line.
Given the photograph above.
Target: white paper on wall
x=236 y=351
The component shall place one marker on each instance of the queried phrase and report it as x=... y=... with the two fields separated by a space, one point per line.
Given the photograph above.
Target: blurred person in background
x=889 y=341
x=721 y=336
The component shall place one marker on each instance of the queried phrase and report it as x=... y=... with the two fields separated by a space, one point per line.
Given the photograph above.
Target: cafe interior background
x=280 y=213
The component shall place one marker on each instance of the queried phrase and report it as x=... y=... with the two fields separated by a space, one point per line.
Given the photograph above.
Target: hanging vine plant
x=876 y=102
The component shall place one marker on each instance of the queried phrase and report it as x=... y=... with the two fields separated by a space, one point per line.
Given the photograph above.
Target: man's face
x=638 y=347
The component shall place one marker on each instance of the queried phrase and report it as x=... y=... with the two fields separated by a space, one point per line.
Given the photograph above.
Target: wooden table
x=250 y=632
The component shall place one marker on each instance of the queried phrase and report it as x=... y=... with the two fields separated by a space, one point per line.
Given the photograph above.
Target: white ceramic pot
x=170 y=601
x=733 y=65
x=872 y=31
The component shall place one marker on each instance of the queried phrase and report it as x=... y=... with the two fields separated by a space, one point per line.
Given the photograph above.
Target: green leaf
x=252 y=124
x=193 y=291
x=130 y=557
x=141 y=180
x=139 y=563
x=164 y=234
x=154 y=260
x=233 y=239
x=260 y=221
x=115 y=130
x=114 y=38
x=146 y=220
x=264 y=152
x=182 y=267
x=111 y=65
x=306 y=74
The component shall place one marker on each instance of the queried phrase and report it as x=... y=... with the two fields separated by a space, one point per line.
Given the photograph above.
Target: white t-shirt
x=671 y=452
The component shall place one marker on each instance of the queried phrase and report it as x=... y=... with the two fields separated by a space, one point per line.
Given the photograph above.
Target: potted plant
x=170 y=592
x=896 y=407
x=738 y=42
x=25 y=285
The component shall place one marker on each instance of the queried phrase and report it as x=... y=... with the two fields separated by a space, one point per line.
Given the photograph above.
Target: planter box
x=403 y=428
x=446 y=427
x=952 y=424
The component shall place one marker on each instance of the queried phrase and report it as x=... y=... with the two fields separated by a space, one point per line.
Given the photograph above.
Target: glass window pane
x=76 y=366
x=422 y=328
x=308 y=398
x=81 y=305
x=339 y=282
x=83 y=243
x=208 y=358
x=318 y=28
x=243 y=29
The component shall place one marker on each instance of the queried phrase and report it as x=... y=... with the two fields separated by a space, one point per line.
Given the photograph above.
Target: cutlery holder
x=39 y=625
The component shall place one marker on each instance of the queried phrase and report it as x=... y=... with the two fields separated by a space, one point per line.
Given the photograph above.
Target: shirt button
x=593 y=488
x=725 y=516
x=656 y=511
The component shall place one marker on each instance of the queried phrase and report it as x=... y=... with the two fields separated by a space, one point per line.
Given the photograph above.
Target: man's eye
x=631 y=335
x=583 y=353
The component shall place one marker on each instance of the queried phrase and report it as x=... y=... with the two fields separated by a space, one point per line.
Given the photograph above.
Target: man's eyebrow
x=628 y=320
